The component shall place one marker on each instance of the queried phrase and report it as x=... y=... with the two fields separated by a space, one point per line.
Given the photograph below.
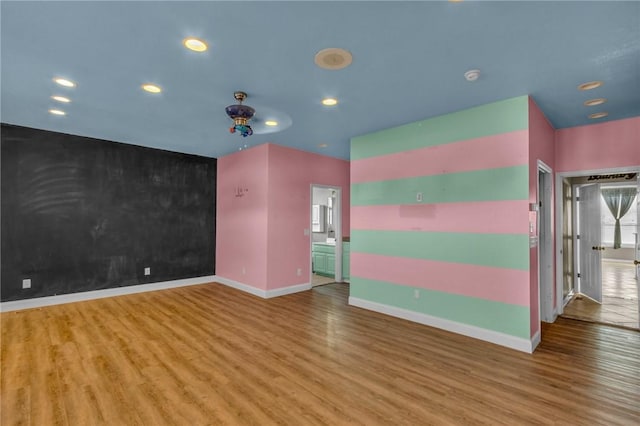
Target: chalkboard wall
x=82 y=214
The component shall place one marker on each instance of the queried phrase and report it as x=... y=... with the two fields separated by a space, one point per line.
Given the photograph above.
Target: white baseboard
x=265 y=294
x=39 y=302
x=288 y=290
x=535 y=341
x=517 y=343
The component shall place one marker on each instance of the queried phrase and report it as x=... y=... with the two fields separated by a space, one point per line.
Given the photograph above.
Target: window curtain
x=619 y=201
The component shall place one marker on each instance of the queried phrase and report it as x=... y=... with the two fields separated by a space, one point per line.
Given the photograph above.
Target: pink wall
x=599 y=146
x=241 y=221
x=541 y=147
x=262 y=230
x=291 y=173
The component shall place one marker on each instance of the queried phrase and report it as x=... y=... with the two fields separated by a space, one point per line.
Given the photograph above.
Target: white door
x=590 y=246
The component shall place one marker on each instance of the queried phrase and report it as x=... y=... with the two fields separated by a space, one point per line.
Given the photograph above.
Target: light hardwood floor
x=619 y=298
x=209 y=354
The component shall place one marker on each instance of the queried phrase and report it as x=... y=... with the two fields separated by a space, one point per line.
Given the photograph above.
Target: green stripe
x=501 y=317
x=506 y=183
x=491 y=119
x=496 y=250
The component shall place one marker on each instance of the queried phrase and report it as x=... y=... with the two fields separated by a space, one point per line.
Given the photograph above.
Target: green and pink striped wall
x=461 y=255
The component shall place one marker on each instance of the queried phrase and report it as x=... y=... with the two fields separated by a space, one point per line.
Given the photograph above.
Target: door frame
x=337 y=225
x=545 y=243
x=558 y=218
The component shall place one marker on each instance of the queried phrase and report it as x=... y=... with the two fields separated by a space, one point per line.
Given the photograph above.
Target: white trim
x=559 y=213
x=241 y=286
x=535 y=340
x=613 y=170
x=517 y=343
x=287 y=290
x=39 y=302
x=337 y=229
x=265 y=294
x=546 y=306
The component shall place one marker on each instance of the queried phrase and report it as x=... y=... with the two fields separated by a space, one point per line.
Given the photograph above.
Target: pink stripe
x=497 y=284
x=598 y=146
x=495 y=217
x=489 y=152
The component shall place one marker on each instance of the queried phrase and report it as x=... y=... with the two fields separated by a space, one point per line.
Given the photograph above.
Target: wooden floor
x=321 y=280
x=209 y=354
x=619 y=298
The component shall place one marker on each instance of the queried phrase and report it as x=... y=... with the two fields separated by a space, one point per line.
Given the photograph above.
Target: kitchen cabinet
x=319 y=263
x=331 y=265
x=324 y=260
x=346 y=259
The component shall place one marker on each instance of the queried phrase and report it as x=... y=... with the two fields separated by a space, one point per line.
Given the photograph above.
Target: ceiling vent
x=333 y=58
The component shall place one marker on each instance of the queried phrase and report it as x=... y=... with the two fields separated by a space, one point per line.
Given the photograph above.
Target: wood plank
x=209 y=354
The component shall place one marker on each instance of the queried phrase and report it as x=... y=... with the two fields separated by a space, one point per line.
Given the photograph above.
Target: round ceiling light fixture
x=329 y=101
x=597 y=115
x=64 y=82
x=195 y=44
x=271 y=123
x=57 y=112
x=590 y=85
x=472 y=75
x=594 y=102
x=333 y=58
x=151 y=88
x=61 y=99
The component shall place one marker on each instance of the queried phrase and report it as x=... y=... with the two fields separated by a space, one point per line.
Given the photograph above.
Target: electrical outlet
x=416 y=293
x=26 y=283
x=419 y=197
x=299 y=271
x=147 y=271
x=244 y=270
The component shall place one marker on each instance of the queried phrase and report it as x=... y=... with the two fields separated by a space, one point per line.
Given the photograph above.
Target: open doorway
x=597 y=256
x=326 y=235
x=545 y=243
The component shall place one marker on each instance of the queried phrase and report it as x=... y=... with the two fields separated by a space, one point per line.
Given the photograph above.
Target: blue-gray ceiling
x=408 y=64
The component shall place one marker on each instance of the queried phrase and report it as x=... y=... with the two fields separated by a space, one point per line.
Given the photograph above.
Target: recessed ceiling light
x=61 y=99
x=64 y=82
x=329 y=101
x=594 y=102
x=590 y=85
x=195 y=44
x=57 y=112
x=333 y=58
x=151 y=88
x=322 y=145
x=271 y=123
x=598 y=115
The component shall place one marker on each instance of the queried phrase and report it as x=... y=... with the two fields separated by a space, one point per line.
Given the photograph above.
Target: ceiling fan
x=269 y=120
x=240 y=114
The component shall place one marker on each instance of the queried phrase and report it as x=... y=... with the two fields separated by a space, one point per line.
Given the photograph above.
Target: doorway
x=596 y=268
x=326 y=234
x=545 y=243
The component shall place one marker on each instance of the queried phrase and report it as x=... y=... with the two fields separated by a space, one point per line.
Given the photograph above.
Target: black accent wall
x=82 y=214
